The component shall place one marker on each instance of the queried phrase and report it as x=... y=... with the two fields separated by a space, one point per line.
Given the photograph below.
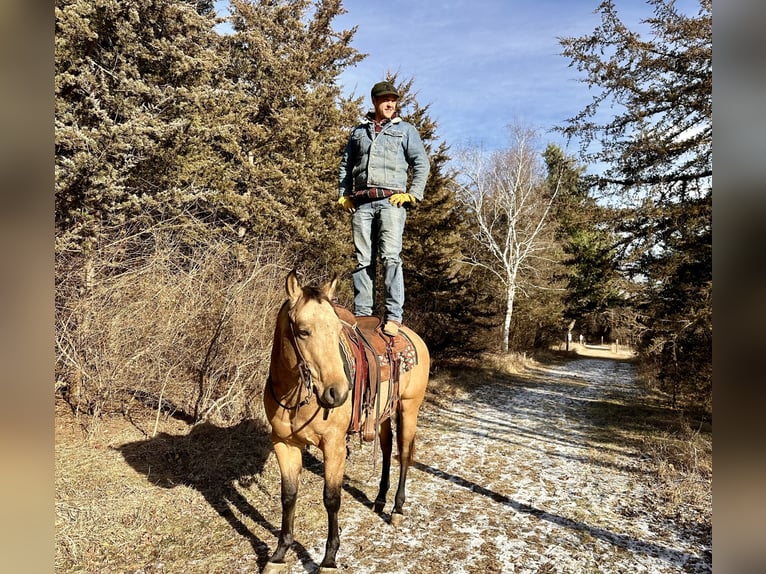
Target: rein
x=304 y=376
x=303 y=403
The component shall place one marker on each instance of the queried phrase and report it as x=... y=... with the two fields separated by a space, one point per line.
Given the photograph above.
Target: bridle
x=304 y=376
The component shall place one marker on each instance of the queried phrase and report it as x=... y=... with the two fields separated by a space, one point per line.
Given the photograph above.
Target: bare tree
x=507 y=204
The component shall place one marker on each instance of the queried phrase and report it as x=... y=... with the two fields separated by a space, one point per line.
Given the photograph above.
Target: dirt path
x=533 y=473
x=524 y=478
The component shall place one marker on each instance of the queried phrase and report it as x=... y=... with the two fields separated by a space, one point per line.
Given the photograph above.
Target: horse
x=307 y=402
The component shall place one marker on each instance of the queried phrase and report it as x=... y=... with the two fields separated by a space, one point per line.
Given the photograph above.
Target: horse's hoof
x=397 y=519
x=377 y=507
x=326 y=570
x=274 y=568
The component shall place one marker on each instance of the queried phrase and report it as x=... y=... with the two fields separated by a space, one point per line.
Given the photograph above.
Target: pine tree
x=658 y=153
x=285 y=58
x=594 y=286
x=159 y=117
x=135 y=82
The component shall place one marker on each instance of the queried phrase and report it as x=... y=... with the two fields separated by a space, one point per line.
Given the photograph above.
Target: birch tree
x=507 y=206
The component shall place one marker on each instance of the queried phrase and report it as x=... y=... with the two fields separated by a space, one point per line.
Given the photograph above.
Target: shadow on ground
x=616 y=539
x=212 y=460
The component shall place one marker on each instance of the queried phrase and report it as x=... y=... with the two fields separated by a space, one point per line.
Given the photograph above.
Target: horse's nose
x=335 y=395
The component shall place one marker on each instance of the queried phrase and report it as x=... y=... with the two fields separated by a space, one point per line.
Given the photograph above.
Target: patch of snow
x=516 y=478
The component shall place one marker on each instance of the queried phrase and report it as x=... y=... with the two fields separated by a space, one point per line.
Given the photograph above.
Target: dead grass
x=683 y=462
x=182 y=329
x=125 y=501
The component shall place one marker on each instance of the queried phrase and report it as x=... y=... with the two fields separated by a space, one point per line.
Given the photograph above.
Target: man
x=373 y=188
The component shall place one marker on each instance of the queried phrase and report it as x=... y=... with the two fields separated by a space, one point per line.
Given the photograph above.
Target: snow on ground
x=518 y=477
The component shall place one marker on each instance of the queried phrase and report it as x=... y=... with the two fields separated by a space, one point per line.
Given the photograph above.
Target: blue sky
x=481 y=64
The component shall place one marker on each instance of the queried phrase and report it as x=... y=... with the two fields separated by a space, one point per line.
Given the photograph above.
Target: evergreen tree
x=594 y=286
x=158 y=116
x=136 y=88
x=285 y=58
x=658 y=152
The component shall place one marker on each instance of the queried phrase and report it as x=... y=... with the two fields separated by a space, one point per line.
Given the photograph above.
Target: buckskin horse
x=308 y=401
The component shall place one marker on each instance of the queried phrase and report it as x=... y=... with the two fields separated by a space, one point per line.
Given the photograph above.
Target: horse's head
x=315 y=331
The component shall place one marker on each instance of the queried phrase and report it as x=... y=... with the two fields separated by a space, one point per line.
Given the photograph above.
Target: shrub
x=180 y=326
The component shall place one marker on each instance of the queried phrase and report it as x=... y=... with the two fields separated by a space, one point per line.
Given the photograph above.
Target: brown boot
x=391 y=328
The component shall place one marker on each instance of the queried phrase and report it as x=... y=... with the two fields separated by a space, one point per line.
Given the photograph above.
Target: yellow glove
x=399 y=199
x=346 y=203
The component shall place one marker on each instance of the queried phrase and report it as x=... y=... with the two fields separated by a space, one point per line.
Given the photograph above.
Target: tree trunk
x=510 y=296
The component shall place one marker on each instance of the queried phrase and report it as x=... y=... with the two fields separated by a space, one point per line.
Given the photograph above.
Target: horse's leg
x=334 y=450
x=405 y=439
x=386 y=440
x=290 y=465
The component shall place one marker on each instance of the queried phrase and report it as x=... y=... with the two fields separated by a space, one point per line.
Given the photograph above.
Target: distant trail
x=527 y=475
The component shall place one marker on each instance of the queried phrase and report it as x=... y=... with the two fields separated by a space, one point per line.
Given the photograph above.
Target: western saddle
x=372 y=358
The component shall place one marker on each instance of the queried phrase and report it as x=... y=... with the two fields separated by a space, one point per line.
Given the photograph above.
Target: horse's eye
x=303 y=333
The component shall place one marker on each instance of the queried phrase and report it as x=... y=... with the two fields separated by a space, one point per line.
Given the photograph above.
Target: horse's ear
x=293 y=287
x=329 y=288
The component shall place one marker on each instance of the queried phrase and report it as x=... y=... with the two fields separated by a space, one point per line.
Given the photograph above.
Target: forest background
x=194 y=169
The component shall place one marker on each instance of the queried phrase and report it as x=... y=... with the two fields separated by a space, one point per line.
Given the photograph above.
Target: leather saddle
x=373 y=359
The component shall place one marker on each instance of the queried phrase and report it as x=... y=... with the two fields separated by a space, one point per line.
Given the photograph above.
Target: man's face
x=385 y=106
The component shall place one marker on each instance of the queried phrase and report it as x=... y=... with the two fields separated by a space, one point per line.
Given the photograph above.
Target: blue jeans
x=377 y=228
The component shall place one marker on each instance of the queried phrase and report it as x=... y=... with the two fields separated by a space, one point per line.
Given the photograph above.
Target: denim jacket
x=381 y=160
